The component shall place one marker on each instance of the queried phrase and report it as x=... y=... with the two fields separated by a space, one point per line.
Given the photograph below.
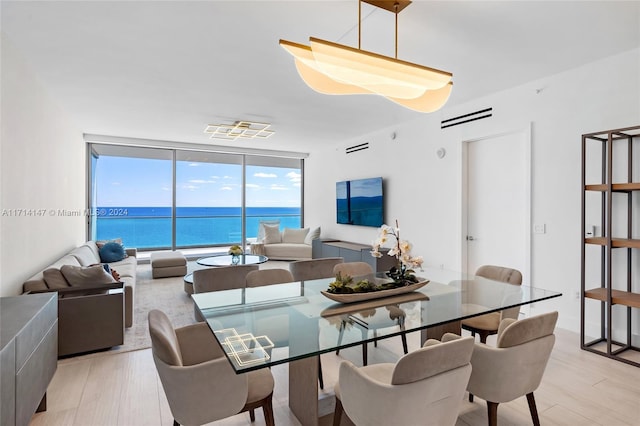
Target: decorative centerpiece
x=402 y=276
x=235 y=251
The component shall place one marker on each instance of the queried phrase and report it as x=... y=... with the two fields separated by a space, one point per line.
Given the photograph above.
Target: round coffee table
x=227 y=260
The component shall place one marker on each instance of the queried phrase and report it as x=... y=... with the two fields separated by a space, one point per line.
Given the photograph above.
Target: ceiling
x=165 y=69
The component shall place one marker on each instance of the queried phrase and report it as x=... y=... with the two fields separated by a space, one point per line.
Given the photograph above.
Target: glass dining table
x=295 y=322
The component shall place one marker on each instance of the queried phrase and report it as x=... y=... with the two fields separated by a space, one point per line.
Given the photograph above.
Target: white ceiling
x=165 y=69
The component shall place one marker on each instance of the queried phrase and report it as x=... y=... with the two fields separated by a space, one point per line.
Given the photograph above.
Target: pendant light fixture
x=335 y=69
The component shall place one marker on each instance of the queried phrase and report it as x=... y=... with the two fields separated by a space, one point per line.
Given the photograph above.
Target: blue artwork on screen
x=360 y=202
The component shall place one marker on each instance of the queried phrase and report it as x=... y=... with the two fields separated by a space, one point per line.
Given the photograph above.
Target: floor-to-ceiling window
x=155 y=198
x=132 y=195
x=208 y=199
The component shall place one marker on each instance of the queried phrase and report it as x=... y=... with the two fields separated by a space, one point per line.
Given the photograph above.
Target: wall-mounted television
x=360 y=202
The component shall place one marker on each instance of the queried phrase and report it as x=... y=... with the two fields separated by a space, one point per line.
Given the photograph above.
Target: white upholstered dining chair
x=514 y=368
x=197 y=378
x=425 y=387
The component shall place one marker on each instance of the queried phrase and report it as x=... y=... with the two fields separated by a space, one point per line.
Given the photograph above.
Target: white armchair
x=424 y=387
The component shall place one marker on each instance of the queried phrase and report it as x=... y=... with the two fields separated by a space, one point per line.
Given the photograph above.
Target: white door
x=496 y=202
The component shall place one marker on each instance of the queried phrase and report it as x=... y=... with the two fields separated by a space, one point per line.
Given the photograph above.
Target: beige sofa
x=88 y=254
x=288 y=244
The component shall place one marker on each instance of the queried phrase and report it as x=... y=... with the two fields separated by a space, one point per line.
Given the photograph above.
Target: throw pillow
x=101 y=243
x=312 y=235
x=112 y=252
x=272 y=234
x=263 y=223
x=294 y=236
x=54 y=279
x=77 y=276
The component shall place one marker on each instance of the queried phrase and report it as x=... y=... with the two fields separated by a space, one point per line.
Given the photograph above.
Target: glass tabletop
x=228 y=260
x=279 y=323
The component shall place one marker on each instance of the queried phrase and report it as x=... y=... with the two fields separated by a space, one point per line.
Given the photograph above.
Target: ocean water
x=150 y=227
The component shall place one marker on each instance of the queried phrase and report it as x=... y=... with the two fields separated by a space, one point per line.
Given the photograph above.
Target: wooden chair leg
x=340 y=335
x=252 y=415
x=483 y=337
x=175 y=423
x=320 y=379
x=492 y=411
x=532 y=408
x=267 y=409
x=470 y=397
x=337 y=414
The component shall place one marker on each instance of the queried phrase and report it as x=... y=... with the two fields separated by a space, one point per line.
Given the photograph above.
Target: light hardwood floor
x=579 y=388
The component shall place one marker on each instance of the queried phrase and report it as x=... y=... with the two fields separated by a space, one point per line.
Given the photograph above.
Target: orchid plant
x=403 y=272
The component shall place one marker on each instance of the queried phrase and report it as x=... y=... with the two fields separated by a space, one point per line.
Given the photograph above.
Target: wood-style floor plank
x=124 y=389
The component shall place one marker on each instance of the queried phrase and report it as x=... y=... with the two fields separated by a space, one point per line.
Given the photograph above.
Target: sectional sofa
x=92 y=315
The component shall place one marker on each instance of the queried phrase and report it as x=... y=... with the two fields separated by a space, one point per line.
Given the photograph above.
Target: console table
x=28 y=354
x=352 y=252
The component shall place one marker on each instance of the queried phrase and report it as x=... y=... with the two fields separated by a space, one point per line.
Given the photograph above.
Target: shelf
x=618 y=297
x=616 y=242
x=616 y=187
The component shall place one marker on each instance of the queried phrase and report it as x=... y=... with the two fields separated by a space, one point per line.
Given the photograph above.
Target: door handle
x=470 y=238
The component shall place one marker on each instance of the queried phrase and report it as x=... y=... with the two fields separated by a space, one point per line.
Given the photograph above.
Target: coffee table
x=227 y=260
x=222 y=260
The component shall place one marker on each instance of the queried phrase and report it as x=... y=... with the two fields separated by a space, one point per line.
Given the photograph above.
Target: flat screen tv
x=360 y=202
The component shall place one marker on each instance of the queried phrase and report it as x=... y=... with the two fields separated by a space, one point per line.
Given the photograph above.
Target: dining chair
x=262 y=277
x=373 y=322
x=219 y=278
x=514 y=367
x=197 y=378
x=424 y=387
x=487 y=325
x=314 y=269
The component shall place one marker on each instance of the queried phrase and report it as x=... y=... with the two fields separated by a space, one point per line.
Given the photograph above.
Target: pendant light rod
x=359 y=22
x=395 y=7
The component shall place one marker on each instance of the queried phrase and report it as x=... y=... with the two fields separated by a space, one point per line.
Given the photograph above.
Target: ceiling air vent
x=472 y=116
x=356 y=148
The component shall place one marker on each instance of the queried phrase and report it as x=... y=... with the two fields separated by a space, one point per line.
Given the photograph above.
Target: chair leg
x=337 y=414
x=320 y=379
x=267 y=409
x=483 y=337
x=340 y=334
x=364 y=354
x=252 y=415
x=175 y=423
x=405 y=348
x=492 y=411
x=470 y=397
x=532 y=408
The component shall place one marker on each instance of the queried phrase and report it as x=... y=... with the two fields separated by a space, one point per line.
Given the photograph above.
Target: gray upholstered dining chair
x=515 y=367
x=487 y=325
x=262 y=277
x=219 y=278
x=373 y=323
x=197 y=378
x=314 y=269
x=424 y=387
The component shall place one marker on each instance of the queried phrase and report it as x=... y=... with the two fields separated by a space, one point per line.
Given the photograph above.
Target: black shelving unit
x=614 y=199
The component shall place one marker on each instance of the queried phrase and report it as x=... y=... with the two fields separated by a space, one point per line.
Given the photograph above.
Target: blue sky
x=137 y=182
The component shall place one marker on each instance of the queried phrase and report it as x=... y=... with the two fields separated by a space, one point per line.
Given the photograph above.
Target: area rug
x=165 y=294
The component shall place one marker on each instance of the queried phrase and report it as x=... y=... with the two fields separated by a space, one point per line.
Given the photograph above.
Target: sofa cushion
x=260 y=237
x=294 y=236
x=54 y=279
x=101 y=243
x=272 y=234
x=288 y=251
x=85 y=255
x=78 y=276
x=112 y=252
x=313 y=234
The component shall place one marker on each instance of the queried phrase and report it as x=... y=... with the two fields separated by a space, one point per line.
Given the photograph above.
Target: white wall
x=42 y=160
x=424 y=192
